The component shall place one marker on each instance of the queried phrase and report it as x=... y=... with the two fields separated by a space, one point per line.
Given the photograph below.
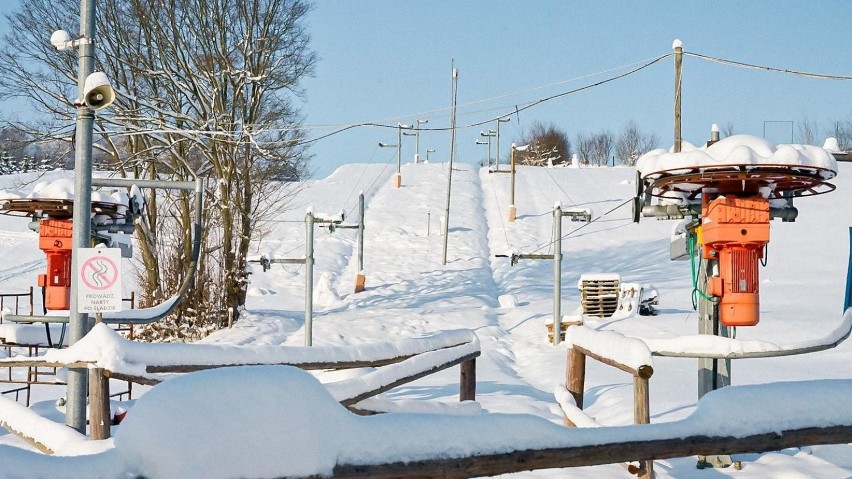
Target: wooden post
x=467 y=381
x=99 y=417
x=678 y=58
x=642 y=415
x=576 y=380
x=31 y=303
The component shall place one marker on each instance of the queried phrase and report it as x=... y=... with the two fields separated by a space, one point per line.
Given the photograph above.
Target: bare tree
x=585 y=146
x=808 y=131
x=727 y=129
x=843 y=133
x=549 y=145
x=205 y=87
x=601 y=148
x=633 y=143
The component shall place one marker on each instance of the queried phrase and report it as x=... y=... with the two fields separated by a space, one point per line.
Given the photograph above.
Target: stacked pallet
x=599 y=293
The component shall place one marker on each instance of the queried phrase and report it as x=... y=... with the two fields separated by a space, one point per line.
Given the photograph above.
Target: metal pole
x=678 y=58
x=361 y=232
x=557 y=274
x=398 y=155
x=455 y=91
x=417 y=141
x=75 y=407
x=512 y=210
x=848 y=300
x=309 y=278
x=497 y=146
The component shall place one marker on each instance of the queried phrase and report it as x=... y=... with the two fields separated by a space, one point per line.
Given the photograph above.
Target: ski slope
x=410 y=293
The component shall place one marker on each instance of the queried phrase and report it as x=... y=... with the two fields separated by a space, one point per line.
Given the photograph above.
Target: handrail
x=711 y=347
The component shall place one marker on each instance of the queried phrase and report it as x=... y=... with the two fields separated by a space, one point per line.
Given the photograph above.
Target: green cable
x=696 y=292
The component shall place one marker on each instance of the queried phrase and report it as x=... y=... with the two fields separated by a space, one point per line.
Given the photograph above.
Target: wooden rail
x=591 y=455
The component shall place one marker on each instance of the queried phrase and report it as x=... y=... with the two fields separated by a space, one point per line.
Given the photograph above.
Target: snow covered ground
x=410 y=293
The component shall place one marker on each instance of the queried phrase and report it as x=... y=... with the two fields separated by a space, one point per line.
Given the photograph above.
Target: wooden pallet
x=599 y=294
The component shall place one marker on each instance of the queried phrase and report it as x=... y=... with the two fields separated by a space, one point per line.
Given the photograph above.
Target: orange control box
x=55 y=241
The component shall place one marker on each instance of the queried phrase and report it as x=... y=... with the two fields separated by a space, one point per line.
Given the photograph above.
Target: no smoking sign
x=99 y=276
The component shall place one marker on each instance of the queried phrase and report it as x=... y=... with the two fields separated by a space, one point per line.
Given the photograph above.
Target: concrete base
x=512 y=213
x=397 y=180
x=360 y=282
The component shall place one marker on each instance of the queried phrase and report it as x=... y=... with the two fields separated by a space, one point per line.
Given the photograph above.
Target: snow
x=630 y=352
x=738 y=150
x=413 y=303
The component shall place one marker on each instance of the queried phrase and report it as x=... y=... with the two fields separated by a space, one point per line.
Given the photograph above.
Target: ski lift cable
x=376 y=179
x=500 y=214
x=583 y=226
x=547 y=170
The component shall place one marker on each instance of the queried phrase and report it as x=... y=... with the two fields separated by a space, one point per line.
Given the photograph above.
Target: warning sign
x=99 y=276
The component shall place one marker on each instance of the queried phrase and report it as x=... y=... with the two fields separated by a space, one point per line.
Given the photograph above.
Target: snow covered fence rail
x=630 y=355
x=398 y=362
x=43 y=434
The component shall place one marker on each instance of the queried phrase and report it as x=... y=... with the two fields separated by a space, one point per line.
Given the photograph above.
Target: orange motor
x=734 y=232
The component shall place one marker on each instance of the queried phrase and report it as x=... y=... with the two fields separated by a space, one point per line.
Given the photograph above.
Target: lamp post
x=428 y=150
x=417 y=124
x=480 y=142
x=497 y=137
x=488 y=134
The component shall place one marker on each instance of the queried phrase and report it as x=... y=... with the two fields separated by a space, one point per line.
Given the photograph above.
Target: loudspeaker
x=97 y=92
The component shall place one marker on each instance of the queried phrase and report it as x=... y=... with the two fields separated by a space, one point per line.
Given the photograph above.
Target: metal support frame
x=309 y=278
x=310 y=222
x=558 y=214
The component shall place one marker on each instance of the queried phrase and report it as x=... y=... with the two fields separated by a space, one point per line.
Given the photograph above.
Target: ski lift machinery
x=732 y=205
x=51 y=218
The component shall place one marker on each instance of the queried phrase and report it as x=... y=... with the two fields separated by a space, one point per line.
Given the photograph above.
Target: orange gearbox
x=55 y=241
x=734 y=231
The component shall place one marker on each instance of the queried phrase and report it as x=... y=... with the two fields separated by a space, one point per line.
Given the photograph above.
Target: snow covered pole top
x=677 y=44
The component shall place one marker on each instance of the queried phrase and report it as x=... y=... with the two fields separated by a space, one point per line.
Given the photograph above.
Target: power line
x=751 y=66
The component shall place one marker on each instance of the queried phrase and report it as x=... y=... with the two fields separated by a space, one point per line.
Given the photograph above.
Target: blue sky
x=387 y=61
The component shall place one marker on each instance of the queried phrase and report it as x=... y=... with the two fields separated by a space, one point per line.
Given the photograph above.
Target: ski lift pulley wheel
x=782 y=181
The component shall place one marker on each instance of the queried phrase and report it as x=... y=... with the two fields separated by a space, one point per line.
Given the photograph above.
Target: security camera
x=60 y=39
x=97 y=92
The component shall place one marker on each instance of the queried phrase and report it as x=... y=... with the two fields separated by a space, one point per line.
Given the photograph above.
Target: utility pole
x=678 y=60
x=75 y=406
x=455 y=92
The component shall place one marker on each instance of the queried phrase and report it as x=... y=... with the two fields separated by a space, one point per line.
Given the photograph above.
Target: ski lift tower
x=730 y=189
